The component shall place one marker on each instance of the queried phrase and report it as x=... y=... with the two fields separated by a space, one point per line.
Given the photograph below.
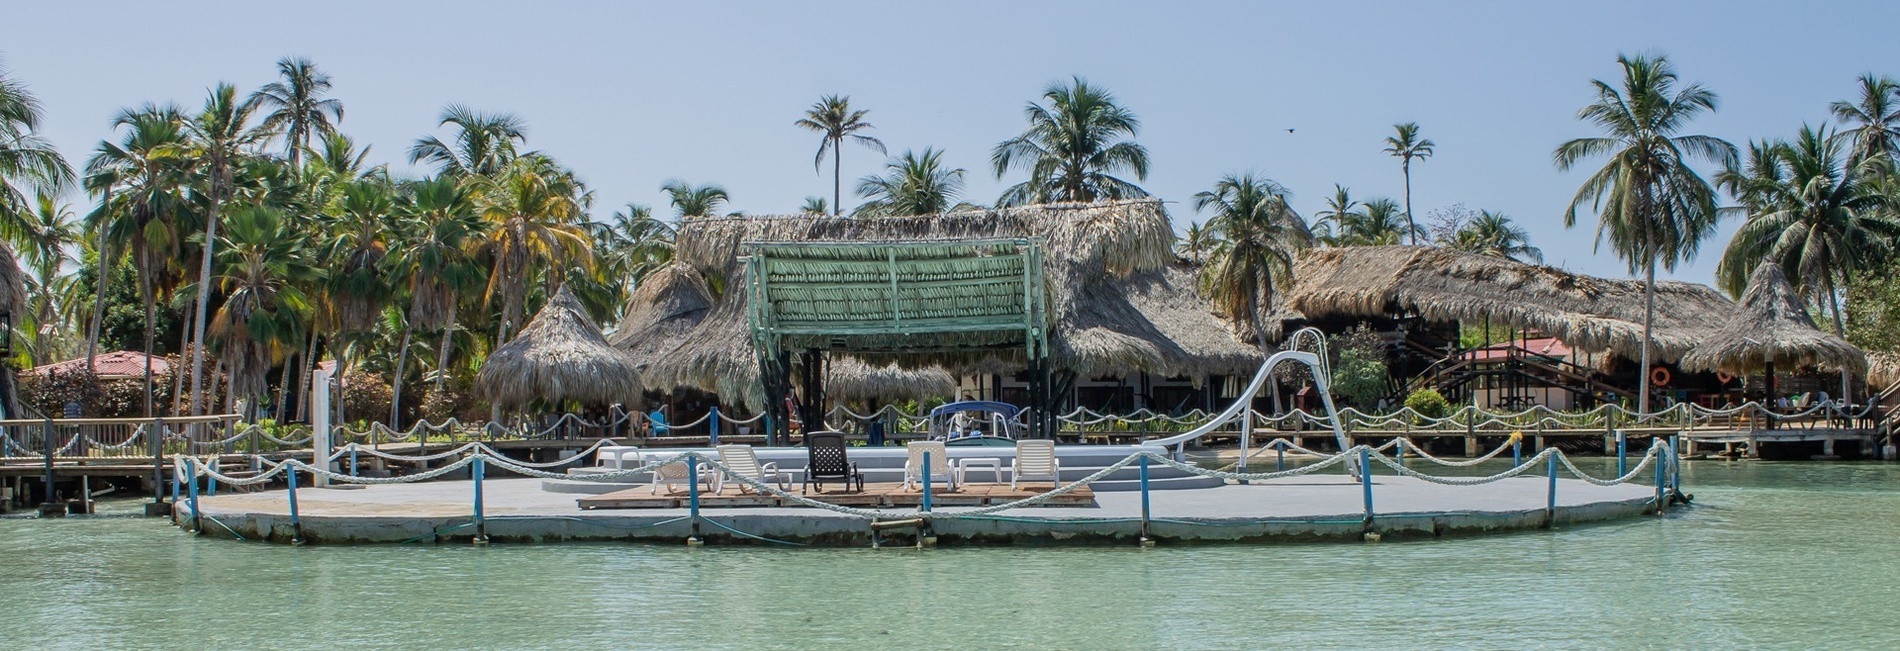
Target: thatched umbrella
x=1771 y=327
x=559 y=357
x=1883 y=368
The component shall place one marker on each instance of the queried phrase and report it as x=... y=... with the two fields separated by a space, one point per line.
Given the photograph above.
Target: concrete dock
x=1308 y=508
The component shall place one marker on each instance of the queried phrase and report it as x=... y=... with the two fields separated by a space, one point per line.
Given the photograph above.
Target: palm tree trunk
x=1840 y=328
x=1411 y=226
x=178 y=379
x=145 y=294
x=837 y=181
x=99 y=288
x=395 y=391
x=448 y=341
x=283 y=384
x=204 y=289
x=303 y=378
x=1649 y=318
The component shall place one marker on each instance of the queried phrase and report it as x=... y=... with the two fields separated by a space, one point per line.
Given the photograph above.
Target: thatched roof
x=1119 y=298
x=559 y=356
x=1883 y=369
x=1772 y=324
x=851 y=379
x=1589 y=313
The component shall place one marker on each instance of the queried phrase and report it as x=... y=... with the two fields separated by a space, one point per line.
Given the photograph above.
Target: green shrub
x=1359 y=377
x=1428 y=402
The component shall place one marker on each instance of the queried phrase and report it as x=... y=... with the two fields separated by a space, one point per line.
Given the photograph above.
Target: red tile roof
x=116 y=364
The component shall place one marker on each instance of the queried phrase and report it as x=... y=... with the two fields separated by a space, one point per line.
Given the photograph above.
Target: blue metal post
x=1660 y=503
x=1144 y=497
x=353 y=459
x=1279 y=461
x=1550 y=503
x=1365 y=481
x=1675 y=463
x=926 y=502
x=211 y=485
x=191 y=475
x=1400 y=448
x=1622 y=454
x=692 y=494
x=1517 y=453
x=296 y=524
x=481 y=524
x=712 y=420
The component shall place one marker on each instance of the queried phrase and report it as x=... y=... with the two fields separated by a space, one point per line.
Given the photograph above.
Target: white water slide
x=1242 y=407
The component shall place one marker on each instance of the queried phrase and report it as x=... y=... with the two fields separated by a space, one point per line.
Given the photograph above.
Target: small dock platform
x=877 y=495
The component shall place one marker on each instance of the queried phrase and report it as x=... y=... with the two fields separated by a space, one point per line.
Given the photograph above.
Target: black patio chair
x=825 y=452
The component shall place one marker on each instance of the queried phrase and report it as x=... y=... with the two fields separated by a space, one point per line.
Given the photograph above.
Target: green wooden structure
x=940 y=300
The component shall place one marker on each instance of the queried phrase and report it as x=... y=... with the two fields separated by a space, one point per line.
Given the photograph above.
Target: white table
x=993 y=464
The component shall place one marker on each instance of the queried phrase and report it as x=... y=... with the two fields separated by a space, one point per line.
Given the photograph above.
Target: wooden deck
x=875 y=495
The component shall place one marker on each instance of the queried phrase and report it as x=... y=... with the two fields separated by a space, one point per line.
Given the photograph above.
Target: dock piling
x=191 y=487
x=1622 y=454
x=1365 y=482
x=481 y=524
x=692 y=496
x=1550 y=502
x=1145 y=540
x=296 y=523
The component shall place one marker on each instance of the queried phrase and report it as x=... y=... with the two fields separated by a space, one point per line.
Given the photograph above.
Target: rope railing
x=476 y=456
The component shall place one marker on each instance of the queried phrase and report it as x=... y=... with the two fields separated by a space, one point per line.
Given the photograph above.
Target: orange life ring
x=1659 y=376
x=1724 y=378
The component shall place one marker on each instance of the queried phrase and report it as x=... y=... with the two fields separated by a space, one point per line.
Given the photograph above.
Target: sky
x=631 y=95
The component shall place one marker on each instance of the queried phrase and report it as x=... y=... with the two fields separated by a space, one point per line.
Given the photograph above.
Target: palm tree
x=52 y=231
x=815 y=206
x=1073 y=148
x=1651 y=206
x=359 y=232
x=1339 y=212
x=914 y=183
x=298 y=109
x=339 y=158
x=1197 y=242
x=263 y=265
x=1821 y=222
x=1751 y=179
x=834 y=120
x=1259 y=236
x=433 y=261
x=220 y=136
x=640 y=242
x=695 y=201
x=28 y=162
x=1494 y=234
x=1405 y=146
x=140 y=181
x=1379 y=222
x=1876 y=119
x=534 y=225
x=484 y=143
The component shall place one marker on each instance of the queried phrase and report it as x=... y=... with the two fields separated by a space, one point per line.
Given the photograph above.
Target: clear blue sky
x=631 y=95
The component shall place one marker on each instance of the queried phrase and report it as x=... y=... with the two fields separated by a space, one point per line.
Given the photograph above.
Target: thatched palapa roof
x=559 y=356
x=1771 y=324
x=1119 y=298
x=1590 y=314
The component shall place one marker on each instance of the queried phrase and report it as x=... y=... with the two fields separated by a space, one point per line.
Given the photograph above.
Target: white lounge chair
x=941 y=470
x=617 y=456
x=744 y=462
x=1035 y=460
x=674 y=474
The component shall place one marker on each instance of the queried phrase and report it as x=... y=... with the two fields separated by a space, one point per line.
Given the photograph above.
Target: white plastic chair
x=744 y=462
x=677 y=473
x=940 y=467
x=618 y=454
x=1035 y=460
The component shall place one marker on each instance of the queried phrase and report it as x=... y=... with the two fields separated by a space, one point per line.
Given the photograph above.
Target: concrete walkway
x=1313 y=507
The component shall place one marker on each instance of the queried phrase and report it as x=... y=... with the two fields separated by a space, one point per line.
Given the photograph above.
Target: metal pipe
x=191 y=476
x=481 y=524
x=1622 y=454
x=1365 y=481
x=926 y=500
x=692 y=495
x=1550 y=503
x=296 y=523
x=1144 y=498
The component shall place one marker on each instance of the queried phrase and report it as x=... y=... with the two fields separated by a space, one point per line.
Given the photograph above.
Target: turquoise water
x=1773 y=555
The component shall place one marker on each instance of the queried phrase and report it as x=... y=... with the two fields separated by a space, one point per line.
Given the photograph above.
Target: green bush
x=1428 y=402
x=1359 y=377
